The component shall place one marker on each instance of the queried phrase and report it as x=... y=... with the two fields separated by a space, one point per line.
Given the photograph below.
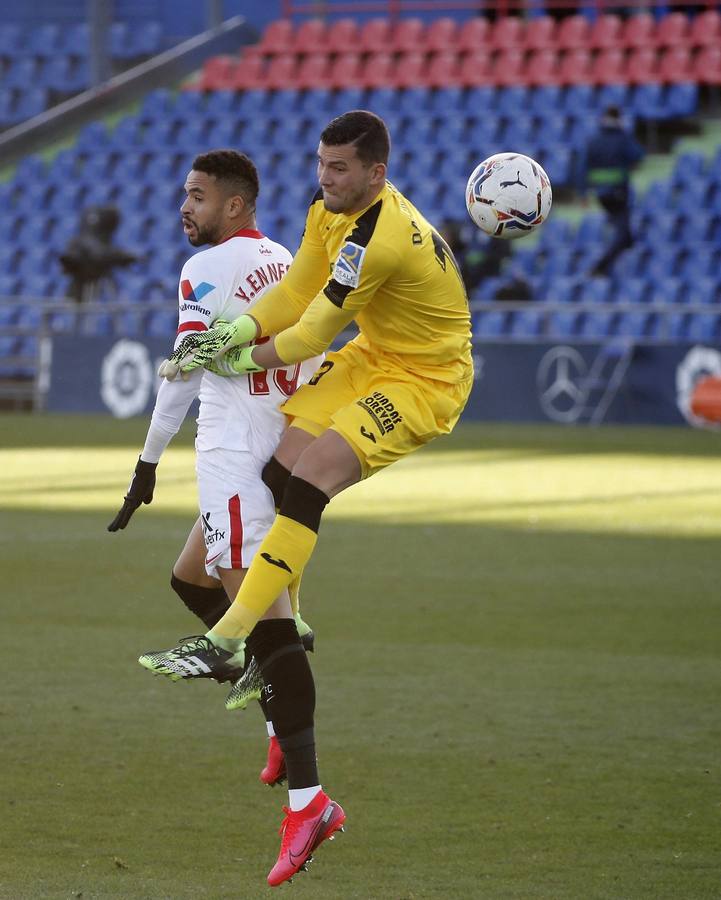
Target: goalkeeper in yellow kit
x=367 y=255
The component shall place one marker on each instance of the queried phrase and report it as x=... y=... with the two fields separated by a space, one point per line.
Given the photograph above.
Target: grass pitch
x=518 y=676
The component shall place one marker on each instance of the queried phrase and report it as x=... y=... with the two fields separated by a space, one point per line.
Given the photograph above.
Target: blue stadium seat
x=596 y=290
x=704 y=327
x=565 y=324
x=493 y=323
x=701 y=290
x=681 y=99
x=526 y=323
x=630 y=290
x=598 y=324
x=636 y=324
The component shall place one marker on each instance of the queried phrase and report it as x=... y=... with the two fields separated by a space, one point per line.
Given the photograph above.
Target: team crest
x=348 y=266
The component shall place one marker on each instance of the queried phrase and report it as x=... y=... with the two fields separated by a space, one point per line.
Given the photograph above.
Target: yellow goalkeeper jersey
x=387 y=268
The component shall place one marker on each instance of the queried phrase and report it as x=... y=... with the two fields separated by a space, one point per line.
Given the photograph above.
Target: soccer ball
x=508 y=195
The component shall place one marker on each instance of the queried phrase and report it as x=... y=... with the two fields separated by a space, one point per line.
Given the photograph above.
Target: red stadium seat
x=313 y=71
x=542 y=68
x=675 y=65
x=605 y=32
x=441 y=34
x=281 y=71
x=642 y=66
x=277 y=37
x=507 y=32
x=407 y=36
x=343 y=36
x=608 y=67
x=573 y=33
x=249 y=73
x=217 y=74
x=672 y=30
x=408 y=69
x=575 y=67
x=310 y=37
x=705 y=29
x=474 y=34
x=639 y=31
x=540 y=34
x=508 y=68
x=375 y=36
x=377 y=71
x=345 y=71
x=475 y=68
x=707 y=66
x=442 y=70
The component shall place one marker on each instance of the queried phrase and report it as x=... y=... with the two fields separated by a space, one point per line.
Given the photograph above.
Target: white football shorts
x=236 y=507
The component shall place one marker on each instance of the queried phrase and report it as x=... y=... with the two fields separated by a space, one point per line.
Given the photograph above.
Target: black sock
x=289 y=696
x=208 y=604
x=276 y=478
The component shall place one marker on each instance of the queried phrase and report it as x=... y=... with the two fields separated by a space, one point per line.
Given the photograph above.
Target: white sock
x=271 y=730
x=299 y=798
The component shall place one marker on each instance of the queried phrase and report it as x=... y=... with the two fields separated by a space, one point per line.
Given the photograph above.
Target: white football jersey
x=223 y=282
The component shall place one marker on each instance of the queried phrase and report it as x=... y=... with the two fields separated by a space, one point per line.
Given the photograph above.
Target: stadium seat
x=575 y=67
x=573 y=33
x=441 y=35
x=605 y=33
x=310 y=37
x=377 y=71
x=408 y=69
x=475 y=69
x=249 y=73
x=642 y=66
x=375 y=36
x=672 y=30
x=705 y=29
x=218 y=74
x=313 y=71
x=707 y=65
x=342 y=36
x=675 y=65
x=473 y=35
x=638 y=31
x=682 y=99
x=443 y=70
x=647 y=101
x=703 y=327
x=506 y=33
x=281 y=72
x=542 y=68
x=344 y=71
x=407 y=36
x=277 y=37
x=507 y=67
x=564 y=323
x=540 y=34
x=608 y=67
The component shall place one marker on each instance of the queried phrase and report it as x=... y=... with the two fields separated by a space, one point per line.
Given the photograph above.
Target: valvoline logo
x=195 y=294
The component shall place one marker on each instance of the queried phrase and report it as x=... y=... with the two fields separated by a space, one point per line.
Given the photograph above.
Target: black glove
x=140 y=491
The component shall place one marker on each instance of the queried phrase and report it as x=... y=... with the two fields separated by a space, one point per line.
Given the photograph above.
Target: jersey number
x=286 y=380
x=323 y=369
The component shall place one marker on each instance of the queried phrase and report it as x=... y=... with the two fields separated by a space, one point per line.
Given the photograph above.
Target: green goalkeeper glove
x=237 y=361
x=201 y=347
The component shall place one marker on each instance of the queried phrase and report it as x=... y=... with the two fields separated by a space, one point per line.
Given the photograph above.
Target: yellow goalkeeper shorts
x=382 y=411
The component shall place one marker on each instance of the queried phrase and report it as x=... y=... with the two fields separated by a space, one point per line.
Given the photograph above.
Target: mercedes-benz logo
x=561 y=381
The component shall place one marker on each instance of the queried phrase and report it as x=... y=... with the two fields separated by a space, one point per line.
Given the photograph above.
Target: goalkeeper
x=401 y=382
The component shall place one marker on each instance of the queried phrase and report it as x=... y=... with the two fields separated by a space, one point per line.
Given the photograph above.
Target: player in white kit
x=239 y=423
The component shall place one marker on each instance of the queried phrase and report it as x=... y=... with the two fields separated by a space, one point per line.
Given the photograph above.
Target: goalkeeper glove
x=140 y=491
x=237 y=361
x=201 y=347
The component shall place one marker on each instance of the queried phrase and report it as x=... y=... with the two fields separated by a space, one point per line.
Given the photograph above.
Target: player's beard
x=341 y=204
x=205 y=235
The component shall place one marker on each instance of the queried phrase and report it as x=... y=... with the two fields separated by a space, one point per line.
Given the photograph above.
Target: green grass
x=518 y=676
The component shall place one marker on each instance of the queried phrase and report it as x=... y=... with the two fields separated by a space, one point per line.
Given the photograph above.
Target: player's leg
x=203 y=594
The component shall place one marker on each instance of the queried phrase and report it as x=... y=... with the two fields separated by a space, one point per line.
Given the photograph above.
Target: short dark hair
x=366 y=130
x=235 y=171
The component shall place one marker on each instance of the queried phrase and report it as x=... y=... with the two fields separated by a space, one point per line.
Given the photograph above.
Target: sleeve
x=200 y=297
x=171 y=407
x=360 y=269
x=283 y=305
